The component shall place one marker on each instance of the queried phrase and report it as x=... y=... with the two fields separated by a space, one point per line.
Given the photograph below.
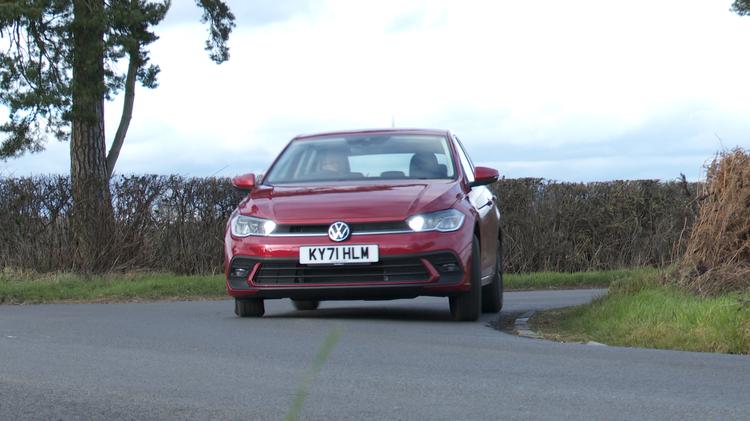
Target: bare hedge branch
x=176 y=224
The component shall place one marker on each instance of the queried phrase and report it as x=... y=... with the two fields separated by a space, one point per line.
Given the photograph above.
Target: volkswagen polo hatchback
x=370 y=215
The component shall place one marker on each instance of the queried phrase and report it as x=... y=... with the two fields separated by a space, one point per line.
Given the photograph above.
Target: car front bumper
x=410 y=265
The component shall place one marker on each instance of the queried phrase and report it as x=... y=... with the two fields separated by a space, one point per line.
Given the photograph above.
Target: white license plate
x=338 y=254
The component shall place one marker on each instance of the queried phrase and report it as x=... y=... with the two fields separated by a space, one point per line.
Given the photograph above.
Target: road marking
x=312 y=372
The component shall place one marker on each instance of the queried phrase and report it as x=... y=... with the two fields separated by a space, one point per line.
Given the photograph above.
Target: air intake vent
x=388 y=270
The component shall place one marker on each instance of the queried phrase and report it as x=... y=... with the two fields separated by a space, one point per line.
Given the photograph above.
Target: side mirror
x=244 y=183
x=484 y=176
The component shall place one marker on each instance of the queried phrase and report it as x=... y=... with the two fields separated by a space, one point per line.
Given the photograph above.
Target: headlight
x=243 y=226
x=444 y=221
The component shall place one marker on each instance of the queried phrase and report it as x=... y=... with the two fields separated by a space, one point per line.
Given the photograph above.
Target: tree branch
x=127 y=113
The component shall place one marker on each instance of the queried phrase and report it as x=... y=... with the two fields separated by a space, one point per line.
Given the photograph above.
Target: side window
x=466 y=164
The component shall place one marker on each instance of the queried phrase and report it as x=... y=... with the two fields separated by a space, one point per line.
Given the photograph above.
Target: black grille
x=388 y=269
x=301 y=229
x=356 y=228
x=408 y=269
x=379 y=226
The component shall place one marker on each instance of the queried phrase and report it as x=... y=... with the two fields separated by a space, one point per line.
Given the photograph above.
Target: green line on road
x=312 y=372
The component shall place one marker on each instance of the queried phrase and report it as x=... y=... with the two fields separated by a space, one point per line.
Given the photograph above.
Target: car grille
x=356 y=228
x=390 y=270
x=387 y=270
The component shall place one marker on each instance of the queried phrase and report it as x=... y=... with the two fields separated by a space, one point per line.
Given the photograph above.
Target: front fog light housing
x=443 y=221
x=244 y=226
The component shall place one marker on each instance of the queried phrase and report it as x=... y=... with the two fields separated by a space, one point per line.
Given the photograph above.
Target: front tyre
x=492 y=294
x=466 y=306
x=249 y=308
x=306 y=304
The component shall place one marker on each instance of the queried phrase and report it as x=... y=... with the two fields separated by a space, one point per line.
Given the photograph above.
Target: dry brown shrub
x=717 y=258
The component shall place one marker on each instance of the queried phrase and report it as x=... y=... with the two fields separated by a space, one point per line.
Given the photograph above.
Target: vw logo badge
x=338 y=231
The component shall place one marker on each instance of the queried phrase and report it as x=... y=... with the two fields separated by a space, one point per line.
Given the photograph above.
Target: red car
x=371 y=215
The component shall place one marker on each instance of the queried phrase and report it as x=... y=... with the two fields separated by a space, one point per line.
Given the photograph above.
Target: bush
x=717 y=258
x=162 y=223
x=176 y=224
x=551 y=226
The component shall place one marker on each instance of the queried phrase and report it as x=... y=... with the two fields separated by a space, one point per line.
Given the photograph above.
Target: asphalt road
x=348 y=360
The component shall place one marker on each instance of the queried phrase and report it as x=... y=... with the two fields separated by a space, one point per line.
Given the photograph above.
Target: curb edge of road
x=521 y=328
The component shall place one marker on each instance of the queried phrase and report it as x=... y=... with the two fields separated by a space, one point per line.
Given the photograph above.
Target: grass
x=556 y=280
x=28 y=287
x=43 y=288
x=645 y=313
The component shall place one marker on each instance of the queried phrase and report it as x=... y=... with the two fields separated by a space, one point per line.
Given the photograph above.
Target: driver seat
x=424 y=165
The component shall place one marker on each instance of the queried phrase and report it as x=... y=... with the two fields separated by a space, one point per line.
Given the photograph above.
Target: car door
x=485 y=203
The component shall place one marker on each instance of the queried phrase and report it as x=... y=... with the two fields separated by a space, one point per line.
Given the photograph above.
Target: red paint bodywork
x=360 y=202
x=372 y=201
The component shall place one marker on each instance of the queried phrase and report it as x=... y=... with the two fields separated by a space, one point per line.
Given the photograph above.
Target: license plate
x=338 y=254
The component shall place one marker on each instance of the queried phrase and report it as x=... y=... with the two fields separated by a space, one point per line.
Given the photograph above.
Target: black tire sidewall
x=249 y=307
x=467 y=306
x=306 y=305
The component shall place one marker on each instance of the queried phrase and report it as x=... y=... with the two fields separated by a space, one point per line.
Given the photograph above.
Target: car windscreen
x=388 y=157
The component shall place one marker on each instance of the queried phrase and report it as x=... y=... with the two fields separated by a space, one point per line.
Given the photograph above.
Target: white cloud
x=529 y=78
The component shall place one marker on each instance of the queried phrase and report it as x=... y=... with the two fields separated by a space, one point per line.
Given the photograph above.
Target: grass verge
x=28 y=287
x=644 y=313
x=557 y=280
x=43 y=288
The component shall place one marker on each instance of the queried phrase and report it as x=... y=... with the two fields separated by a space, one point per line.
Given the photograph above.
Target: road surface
x=349 y=360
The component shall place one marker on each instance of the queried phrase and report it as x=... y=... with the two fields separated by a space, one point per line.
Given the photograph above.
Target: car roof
x=428 y=132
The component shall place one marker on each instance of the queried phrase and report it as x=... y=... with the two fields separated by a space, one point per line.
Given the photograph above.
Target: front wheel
x=466 y=306
x=306 y=304
x=492 y=294
x=249 y=308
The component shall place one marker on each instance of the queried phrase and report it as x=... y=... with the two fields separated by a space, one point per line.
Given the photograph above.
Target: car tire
x=492 y=294
x=306 y=304
x=466 y=307
x=249 y=308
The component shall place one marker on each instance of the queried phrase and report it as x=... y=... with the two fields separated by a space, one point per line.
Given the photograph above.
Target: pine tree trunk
x=92 y=215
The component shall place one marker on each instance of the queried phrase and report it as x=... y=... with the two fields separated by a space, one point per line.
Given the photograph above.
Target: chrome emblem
x=338 y=231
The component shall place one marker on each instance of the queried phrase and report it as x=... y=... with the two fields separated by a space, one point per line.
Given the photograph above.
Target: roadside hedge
x=551 y=226
x=176 y=224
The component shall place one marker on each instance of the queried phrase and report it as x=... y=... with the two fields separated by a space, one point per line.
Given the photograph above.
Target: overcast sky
x=573 y=90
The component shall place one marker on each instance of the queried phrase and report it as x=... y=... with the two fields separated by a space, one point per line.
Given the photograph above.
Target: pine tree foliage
x=36 y=61
x=35 y=69
x=741 y=7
